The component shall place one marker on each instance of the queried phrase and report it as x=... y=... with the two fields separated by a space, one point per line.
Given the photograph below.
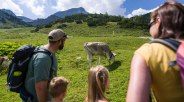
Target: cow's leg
x=89 y=58
x=99 y=58
x=1 y=60
x=108 y=57
x=109 y=62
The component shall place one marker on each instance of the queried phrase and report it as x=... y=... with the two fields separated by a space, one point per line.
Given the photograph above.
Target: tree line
x=93 y=20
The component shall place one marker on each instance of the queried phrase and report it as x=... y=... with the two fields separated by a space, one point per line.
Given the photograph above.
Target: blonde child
x=98 y=82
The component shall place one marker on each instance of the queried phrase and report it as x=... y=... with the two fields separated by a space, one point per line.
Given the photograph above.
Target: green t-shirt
x=38 y=70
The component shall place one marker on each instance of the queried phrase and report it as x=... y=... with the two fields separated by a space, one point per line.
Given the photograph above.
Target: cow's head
x=4 y=60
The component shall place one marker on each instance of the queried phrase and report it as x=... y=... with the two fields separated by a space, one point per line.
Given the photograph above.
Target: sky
x=34 y=9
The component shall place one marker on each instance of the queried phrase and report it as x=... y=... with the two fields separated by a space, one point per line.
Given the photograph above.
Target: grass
x=76 y=70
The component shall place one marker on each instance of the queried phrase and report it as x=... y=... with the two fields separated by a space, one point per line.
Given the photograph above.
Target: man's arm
x=140 y=80
x=41 y=90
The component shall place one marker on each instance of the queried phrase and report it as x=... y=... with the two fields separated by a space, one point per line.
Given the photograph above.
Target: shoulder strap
x=171 y=43
x=38 y=50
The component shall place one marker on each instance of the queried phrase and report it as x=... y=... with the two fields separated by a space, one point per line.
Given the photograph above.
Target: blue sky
x=131 y=5
x=43 y=8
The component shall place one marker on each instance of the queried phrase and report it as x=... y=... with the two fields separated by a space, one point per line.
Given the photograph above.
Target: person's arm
x=140 y=81
x=41 y=91
x=86 y=99
x=42 y=65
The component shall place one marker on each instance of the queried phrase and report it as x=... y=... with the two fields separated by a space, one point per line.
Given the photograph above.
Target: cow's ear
x=114 y=54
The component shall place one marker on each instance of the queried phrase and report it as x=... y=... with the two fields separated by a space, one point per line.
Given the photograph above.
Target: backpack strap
x=171 y=43
x=38 y=50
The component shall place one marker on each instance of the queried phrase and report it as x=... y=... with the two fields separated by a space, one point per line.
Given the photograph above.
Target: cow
x=4 y=60
x=98 y=48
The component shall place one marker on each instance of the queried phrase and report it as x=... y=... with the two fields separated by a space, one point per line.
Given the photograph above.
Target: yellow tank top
x=166 y=81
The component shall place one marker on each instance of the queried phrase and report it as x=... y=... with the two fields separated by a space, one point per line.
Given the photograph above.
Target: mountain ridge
x=9 y=20
x=58 y=15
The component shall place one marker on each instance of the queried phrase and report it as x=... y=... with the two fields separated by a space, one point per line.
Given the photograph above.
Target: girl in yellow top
x=149 y=66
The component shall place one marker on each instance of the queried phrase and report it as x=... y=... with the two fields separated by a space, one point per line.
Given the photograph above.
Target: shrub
x=96 y=22
x=62 y=26
x=35 y=30
x=78 y=22
x=3 y=69
x=6 y=27
x=91 y=23
x=48 y=25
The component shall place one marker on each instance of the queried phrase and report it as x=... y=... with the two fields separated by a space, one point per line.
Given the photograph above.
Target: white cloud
x=9 y=4
x=43 y=8
x=140 y=11
x=36 y=6
x=92 y=6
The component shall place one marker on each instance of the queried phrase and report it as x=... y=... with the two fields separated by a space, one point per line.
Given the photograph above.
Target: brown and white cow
x=98 y=48
x=4 y=60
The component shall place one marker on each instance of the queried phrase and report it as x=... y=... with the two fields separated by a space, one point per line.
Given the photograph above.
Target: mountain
x=8 y=12
x=58 y=15
x=25 y=19
x=70 y=12
x=8 y=20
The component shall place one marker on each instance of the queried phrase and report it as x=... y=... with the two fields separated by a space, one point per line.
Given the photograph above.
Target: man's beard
x=61 y=47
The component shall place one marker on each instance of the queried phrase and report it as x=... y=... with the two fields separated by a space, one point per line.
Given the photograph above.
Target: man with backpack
x=42 y=67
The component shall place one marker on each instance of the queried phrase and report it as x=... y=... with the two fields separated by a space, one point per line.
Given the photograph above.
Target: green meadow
x=72 y=59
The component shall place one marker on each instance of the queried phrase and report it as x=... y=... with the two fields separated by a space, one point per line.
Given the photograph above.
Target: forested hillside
x=94 y=20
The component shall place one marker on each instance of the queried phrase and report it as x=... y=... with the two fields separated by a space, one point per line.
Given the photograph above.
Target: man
x=42 y=68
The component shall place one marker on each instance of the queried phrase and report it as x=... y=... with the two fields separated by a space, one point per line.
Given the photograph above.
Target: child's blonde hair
x=97 y=83
x=57 y=86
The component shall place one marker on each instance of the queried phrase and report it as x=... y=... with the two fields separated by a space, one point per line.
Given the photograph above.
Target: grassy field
x=123 y=42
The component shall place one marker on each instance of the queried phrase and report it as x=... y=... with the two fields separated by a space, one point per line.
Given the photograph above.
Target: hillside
x=9 y=20
x=111 y=28
x=104 y=22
